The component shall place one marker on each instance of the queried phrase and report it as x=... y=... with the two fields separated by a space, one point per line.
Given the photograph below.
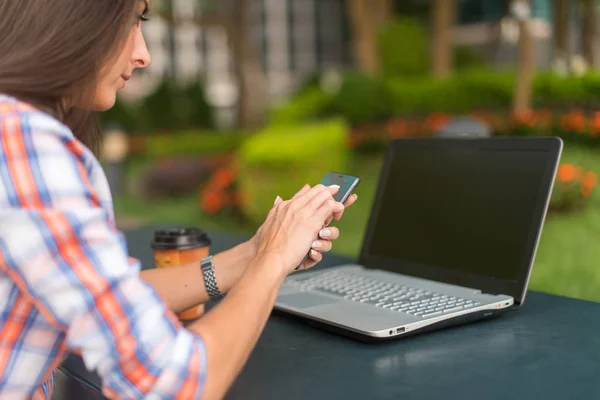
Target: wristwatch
x=210 y=281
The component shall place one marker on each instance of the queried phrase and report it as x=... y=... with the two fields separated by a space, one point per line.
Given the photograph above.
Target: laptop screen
x=453 y=209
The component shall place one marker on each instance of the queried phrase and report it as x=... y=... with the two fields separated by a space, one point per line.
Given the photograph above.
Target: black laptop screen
x=462 y=209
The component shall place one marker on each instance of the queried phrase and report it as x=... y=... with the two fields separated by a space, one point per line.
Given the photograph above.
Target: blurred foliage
x=170 y=106
x=308 y=104
x=279 y=160
x=403 y=48
x=191 y=143
x=361 y=99
x=468 y=58
x=573 y=188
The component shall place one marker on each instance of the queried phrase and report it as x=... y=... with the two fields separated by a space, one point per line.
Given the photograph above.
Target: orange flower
x=436 y=121
x=596 y=124
x=397 y=128
x=590 y=179
x=574 y=121
x=544 y=118
x=223 y=177
x=567 y=173
x=211 y=203
x=525 y=118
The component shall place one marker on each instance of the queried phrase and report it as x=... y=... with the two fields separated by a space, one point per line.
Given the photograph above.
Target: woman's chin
x=104 y=103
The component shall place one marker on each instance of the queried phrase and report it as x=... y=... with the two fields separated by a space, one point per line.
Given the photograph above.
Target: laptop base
x=477 y=316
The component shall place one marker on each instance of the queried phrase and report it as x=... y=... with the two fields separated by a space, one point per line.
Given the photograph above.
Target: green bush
x=403 y=49
x=175 y=107
x=311 y=103
x=279 y=160
x=362 y=99
x=191 y=143
x=465 y=92
x=467 y=58
x=170 y=107
x=122 y=114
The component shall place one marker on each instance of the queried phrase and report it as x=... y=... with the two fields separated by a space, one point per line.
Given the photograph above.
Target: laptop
x=451 y=238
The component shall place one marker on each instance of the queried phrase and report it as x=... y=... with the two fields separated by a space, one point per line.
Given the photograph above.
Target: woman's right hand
x=293 y=225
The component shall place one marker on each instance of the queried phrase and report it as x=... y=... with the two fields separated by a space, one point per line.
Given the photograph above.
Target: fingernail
x=316 y=244
x=325 y=233
x=277 y=200
x=314 y=253
x=334 y=186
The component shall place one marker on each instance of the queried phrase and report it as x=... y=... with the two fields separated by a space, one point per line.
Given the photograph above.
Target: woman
x=66 y=282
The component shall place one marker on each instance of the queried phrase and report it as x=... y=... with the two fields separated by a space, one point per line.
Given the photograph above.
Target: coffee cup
x=180 y=246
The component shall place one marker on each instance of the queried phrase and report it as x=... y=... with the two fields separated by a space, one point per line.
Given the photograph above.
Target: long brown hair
x=51 y=52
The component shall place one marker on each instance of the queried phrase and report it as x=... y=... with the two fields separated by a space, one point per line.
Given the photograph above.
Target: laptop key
x=453 y=309
x=431 y=314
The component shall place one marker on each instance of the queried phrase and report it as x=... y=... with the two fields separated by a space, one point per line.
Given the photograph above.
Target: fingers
x=329 y=233
x=348 y=203
x=351 y=200
x=321 y=198
x=314 y=257
x=318 y=190
x=322 y=246
x=328 y=208
x=302 y=191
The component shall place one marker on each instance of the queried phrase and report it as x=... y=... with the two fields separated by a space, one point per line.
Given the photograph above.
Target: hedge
x=279 y=160
x=363 y=99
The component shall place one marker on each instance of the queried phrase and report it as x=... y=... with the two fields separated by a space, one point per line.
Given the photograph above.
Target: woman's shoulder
x=20 y=115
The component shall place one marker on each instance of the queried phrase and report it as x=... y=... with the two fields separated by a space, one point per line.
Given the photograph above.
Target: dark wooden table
x=549 y=349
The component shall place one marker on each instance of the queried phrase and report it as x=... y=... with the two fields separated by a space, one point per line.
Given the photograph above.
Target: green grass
x=568 y=257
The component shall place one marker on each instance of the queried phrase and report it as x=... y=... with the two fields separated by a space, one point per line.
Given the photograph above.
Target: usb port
x=400 y=330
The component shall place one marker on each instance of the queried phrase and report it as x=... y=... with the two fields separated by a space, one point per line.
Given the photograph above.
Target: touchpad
x=305 y=300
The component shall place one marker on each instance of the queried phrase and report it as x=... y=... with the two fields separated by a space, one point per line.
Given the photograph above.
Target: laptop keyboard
x=413 y=301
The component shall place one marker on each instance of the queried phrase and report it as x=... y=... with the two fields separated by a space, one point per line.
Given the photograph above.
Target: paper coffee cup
x=180 y=246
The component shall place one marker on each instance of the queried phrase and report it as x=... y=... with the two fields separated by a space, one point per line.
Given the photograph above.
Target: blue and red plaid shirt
x=66 y=281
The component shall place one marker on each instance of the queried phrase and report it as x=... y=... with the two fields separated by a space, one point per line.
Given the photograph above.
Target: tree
x=561 y=32
x=366 y=18
x=521 y=9
x=443 y=15
x=234 y=17
x=589 y=31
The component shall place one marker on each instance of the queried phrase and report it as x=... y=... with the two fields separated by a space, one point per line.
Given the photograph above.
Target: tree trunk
x=252 y=82
x=442 y=51
x=588 y=32
x=382 y=11
x=364 y=34
x=234 y=18
x=561 y=32
x=526 y=65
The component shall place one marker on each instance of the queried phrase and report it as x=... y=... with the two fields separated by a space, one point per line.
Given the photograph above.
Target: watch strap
x=210 y=281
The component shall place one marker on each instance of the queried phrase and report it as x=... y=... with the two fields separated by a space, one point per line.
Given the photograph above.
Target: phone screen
x=347 y=184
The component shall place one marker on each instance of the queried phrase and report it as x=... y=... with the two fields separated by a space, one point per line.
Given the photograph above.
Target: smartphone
x=347 y=184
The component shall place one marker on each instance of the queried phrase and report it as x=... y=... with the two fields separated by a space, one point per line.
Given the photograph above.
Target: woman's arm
x=183 y=287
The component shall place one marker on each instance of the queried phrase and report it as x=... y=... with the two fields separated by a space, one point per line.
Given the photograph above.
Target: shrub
x=573 y=188
x=309 y=104
x=362 y=99
x=403 y=49
x=279 y=160
x=170 y=107
x=191 y=143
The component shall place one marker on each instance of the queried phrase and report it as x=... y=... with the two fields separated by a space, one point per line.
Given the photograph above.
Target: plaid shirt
x=66 y=282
